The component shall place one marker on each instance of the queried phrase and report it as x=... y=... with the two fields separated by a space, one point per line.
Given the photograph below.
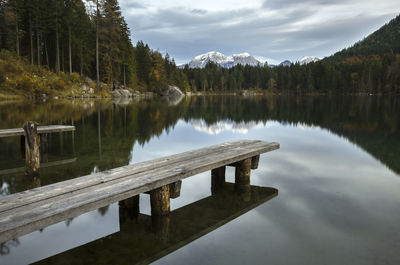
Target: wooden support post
x=242 y=179
x=32 y=150
x=129 y=209
x=217 y=179
x=175 y=189
x=159 y=199
x=254 y=161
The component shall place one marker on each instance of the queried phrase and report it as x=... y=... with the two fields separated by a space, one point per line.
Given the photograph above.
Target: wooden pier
x=27 y=211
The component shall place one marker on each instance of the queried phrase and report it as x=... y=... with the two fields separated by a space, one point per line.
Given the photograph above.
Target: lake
x=329 y=195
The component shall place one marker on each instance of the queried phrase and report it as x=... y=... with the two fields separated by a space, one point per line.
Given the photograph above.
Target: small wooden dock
x=27 y=211
x=40 y=130
x=32 y=136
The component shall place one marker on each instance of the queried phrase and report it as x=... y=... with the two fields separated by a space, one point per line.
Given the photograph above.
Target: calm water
x=330 y=195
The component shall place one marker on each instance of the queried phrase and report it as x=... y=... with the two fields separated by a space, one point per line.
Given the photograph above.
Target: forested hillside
x=86 y=37
x=386 y=40
x=370 y=66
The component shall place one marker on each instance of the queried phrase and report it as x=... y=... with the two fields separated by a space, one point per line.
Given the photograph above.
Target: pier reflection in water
x=147 y=238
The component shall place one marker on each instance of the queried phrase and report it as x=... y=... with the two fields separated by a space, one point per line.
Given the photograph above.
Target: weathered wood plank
x=27 y=218
x=40 y=130
x=26 y=197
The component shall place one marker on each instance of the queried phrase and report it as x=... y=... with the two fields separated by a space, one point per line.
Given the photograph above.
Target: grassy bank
x=21 y=80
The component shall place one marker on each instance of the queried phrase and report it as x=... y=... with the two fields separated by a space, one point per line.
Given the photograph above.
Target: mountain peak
x=308 y=59
x=202 y=60
x=285 y=63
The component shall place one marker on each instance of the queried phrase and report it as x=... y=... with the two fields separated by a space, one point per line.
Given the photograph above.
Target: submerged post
x=254 y=161
x=32 y=148
x=159 y=200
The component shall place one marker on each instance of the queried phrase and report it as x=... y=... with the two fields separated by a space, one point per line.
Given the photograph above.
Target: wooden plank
x=26 y=197
x=146 y=168
x=27 y=218
x=40 y=130
x=149 y=178
x=175 y=171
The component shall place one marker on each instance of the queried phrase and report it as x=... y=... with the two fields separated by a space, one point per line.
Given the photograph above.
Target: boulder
x=173 y=95
x=121 y=93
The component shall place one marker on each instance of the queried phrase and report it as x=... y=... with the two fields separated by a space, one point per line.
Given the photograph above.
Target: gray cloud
x=133 y=5
x=302 y=28
x=199 y=11
x=281 y=4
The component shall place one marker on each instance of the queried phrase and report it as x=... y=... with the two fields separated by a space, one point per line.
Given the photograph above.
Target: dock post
x=254 y=161
x=32 y=148
x=242 y=178
x=175 y=189
x=217 y=179
x=159 y=200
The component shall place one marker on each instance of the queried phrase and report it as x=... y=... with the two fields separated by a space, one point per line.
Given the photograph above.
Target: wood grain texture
x=28 y=211
x=159 y=200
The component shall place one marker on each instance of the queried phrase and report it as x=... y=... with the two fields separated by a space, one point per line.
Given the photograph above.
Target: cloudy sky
x=272 y=30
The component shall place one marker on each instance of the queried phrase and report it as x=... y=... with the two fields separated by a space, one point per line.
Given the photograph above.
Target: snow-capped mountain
x=308 y=59
x=285 y=63
x=202 y=60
